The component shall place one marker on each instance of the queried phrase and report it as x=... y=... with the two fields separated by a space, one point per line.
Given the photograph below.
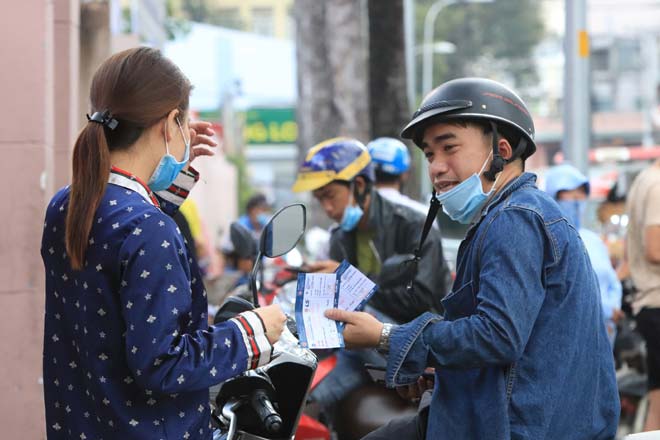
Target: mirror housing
x=283 y=230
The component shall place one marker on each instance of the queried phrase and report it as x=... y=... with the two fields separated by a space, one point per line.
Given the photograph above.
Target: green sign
x=270 y=126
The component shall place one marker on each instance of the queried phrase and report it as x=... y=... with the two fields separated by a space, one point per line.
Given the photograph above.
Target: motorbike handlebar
x=264 y=408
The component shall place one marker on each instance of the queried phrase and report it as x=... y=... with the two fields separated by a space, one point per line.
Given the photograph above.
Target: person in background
x=391 y=161
x=643 y=256
x=369 y=229
x=257 y=213
x=570 y=188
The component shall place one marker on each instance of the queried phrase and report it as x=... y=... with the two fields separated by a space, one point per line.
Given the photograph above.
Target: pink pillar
x=38 y=43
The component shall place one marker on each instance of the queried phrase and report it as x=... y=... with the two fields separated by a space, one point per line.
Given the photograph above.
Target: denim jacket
x=522 y=351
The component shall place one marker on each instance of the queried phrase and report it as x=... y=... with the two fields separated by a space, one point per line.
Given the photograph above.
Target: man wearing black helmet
x=522 y=351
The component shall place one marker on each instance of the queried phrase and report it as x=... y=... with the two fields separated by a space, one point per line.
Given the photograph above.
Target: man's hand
x=200 y=134
x=273 y=319
x=362 y=330
x=414 y=391
x=324 y=266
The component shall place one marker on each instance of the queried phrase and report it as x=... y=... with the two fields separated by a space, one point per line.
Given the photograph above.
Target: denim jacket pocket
x=460 y=303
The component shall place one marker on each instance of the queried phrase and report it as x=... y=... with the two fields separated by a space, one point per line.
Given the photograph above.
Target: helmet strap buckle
x=498 y=162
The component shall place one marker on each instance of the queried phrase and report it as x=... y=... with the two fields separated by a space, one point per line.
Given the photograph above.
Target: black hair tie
x=104 y=118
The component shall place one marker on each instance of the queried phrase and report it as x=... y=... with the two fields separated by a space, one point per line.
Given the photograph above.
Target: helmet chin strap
x=498 y=162
x=497 y=165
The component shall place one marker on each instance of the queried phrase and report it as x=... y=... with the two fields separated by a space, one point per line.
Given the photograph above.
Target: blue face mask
x=168 y=167
x=262 y=219
x=464 y=201
x=352 y=215
x=573 y=210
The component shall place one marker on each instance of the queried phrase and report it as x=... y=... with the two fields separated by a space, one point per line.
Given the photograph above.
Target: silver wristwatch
x=384 y=341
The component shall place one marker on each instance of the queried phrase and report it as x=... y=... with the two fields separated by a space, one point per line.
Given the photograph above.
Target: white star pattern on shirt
x=137 y=231
x=129 y=209
x=171 y=289
x=99 y=268
x=151 y=319
x=101 y=312
x=165 y=244
x=133 y=423
x=141 y=253
x=213 y=371
x=51 y=250
x=145 y=274
x=175 y=311
x=161 y=223
x=103 y=356
x=113 y=202
x=227 y=343
x=147 y=296
x=168 y=266
x=102 y=379
x=115 y=225
x=181 y=379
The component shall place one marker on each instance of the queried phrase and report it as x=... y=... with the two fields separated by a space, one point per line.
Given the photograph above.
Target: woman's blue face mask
x=168 y=167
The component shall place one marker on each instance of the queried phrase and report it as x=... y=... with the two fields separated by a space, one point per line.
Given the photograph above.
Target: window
x=263 y=21
x=230 y=18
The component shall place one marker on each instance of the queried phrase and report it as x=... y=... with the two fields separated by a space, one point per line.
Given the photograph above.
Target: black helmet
x=477 y=99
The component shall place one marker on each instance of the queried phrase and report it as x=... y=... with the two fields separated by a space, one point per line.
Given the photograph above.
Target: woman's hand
x=362 y=329
x=201 y=134
x=273 y=319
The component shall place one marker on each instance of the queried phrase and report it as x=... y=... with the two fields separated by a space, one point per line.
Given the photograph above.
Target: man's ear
x=504 y=148
x=360 y=184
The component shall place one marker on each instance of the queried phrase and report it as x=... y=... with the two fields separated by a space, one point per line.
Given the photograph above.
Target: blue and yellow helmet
x=334 y=159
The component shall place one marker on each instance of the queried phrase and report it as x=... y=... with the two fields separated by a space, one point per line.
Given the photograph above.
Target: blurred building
x=271 y=18
x=246 y=82
x=625 y=78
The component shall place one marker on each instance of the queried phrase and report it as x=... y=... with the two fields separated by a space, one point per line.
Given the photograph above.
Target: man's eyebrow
x=440 y=138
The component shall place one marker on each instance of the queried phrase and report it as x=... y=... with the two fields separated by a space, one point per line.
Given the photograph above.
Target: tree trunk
x=333 y=82
x=387 y=79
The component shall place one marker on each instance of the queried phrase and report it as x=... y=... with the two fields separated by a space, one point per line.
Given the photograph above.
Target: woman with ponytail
x=128 y=352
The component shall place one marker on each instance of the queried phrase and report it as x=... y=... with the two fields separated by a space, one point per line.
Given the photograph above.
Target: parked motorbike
x=267 y=403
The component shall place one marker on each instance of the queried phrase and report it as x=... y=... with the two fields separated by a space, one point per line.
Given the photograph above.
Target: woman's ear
x=170 y=127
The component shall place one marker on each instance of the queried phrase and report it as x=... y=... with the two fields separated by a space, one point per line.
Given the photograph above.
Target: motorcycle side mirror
x=230 y=308
x=281 y=234
x=283 y=231
x=397 y=269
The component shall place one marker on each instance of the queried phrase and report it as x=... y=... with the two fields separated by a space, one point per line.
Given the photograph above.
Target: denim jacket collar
x=525 y=179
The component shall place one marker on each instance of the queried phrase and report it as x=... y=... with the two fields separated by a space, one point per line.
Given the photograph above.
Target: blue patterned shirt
x=128 y=352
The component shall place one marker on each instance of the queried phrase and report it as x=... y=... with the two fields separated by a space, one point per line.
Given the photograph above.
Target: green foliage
x=494 y=39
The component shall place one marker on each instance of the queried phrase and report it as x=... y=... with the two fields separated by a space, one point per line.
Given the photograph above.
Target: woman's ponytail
x=91 y=169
